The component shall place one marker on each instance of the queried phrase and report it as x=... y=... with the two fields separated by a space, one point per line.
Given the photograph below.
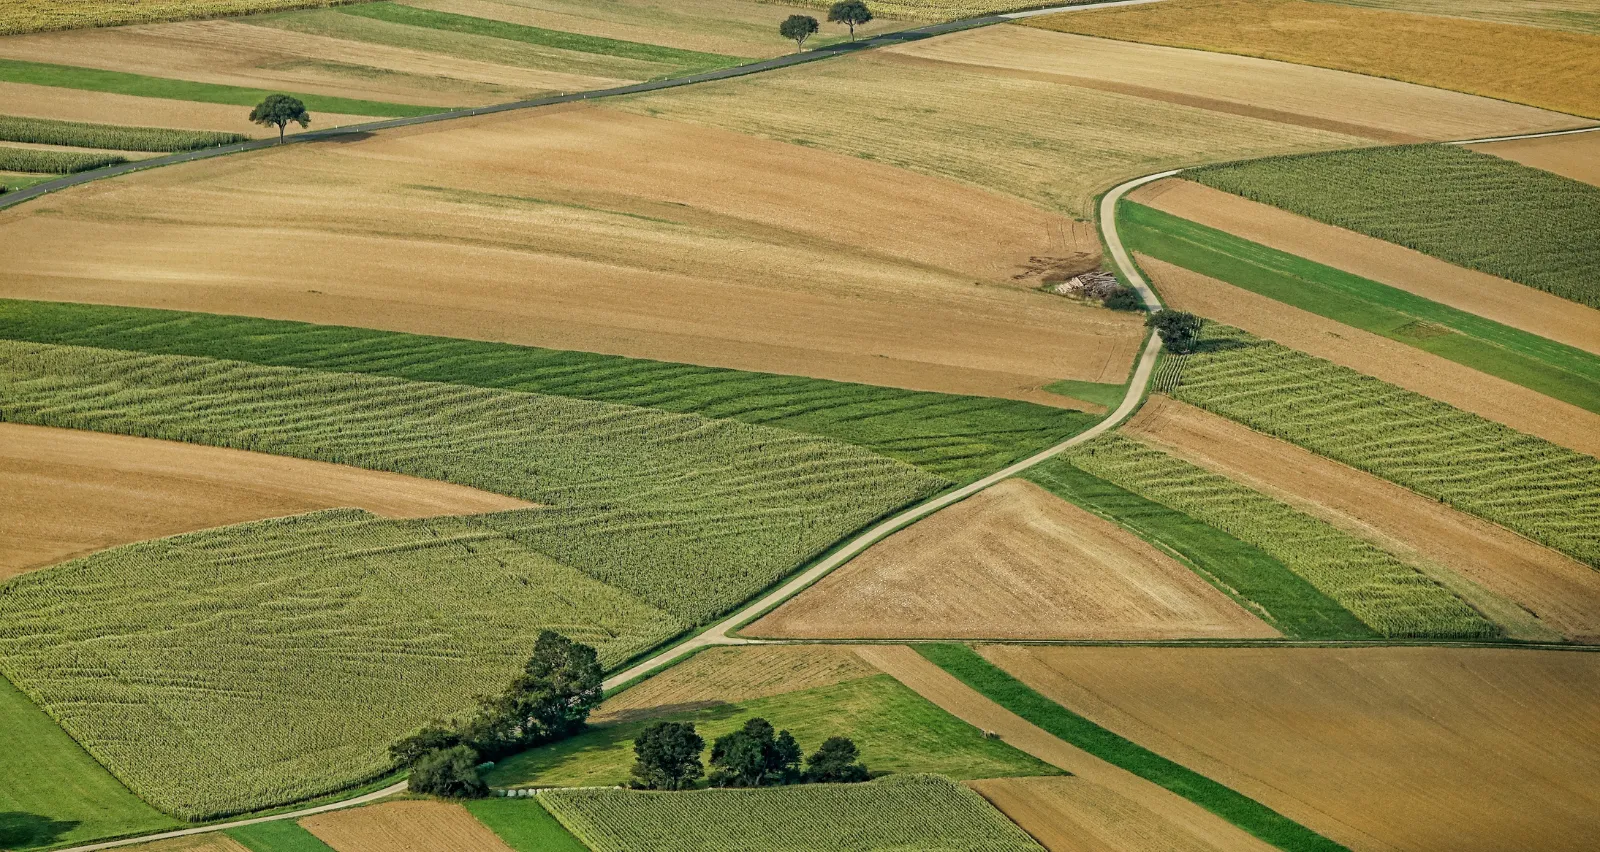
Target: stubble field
x=1576 y=156
x=404 y=826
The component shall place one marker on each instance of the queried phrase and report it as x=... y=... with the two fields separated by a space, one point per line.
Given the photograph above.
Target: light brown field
x=64 y=493
x=20 y=16
x=210 y=842
x=1544 y=68
x=1535 y=592
x=1578 y=16
x=1069 y=814
x=1119 y=789
x=405 y=826
x=594 y=230
x=1377 y=748
x=1503 y=301
x=1576 y=156
x=728 y=675
x=106 y=108
x=1390 y=360
x=1014 y=562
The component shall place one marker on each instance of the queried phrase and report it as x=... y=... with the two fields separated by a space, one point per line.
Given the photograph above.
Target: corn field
x=45 y=161
x=28 y=16
x=47 y=131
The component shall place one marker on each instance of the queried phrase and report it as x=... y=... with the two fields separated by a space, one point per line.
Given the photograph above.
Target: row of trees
x=851 y=13
x=668 y=758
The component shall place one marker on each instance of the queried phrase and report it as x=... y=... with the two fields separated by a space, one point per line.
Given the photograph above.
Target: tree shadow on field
x=19 y=830
x=1219 y=344
x=343 y=138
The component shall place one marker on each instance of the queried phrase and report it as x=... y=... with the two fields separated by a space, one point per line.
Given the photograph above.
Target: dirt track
x=1576 y=156
x=405 y=826
x=1014 y=562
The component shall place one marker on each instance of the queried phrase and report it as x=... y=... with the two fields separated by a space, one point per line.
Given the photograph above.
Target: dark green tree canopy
x=799 y=28
x=1178 y=329
x=668 y=757
x=753 y=757
x=851 y=13
x=836 y=763
x=279 y=110
x=451 y=772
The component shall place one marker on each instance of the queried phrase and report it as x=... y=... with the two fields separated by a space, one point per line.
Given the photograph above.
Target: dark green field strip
x=958 y=437
x=523 y=824
x=48 y=131
x=283 y=835
x=1099 y=393
x=1554 y=369
x=1016 y=696
x=1293 y=605
x=122 y=83
x=1471 y=209
x=688 y=61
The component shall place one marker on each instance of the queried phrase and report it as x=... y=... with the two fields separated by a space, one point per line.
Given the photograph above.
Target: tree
x=279 y=110
x=1123 y=299
x=799 y=28
x=753 y=757
x=851 y=13
x=1178 y=329
x=434 y=736
x=451 y=772
x=835 y=762
x=668 y=757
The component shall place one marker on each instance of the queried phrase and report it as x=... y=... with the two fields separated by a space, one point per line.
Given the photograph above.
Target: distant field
x=44 y=161
x=107 y=108
x=404 y=826
x=24 y=16
x=1471 y=209
x=85 y=135
x=1577 y=16
x=718 y=676
x=277 y=836
x=1576 y=155
x=929 y=11
x=525 y=826
x=1543 y=68
x=916 y=811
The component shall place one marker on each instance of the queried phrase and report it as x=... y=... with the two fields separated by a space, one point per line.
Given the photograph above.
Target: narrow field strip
x=27 y=16
x=88 y=135
x=284 y=835
x=404 y=826
x=523 y=828
x=41 y=161
x=1578 y=16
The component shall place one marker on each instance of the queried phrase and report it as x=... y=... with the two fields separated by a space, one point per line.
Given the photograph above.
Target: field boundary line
x=1521 y=136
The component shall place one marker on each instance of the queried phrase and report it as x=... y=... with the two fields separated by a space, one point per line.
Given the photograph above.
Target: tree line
x=667 y=757
x=851 y=13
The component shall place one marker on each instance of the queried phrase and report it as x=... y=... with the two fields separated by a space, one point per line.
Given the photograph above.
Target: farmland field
x=277 y=836
x=1576 y=16
x=1404 y=748
x=1071 y=813
x=404 y=826
x=1576 y=156
x=524 y=828
x=82 y=134
x=927 y=813
x=722 y=675
x=22 y=16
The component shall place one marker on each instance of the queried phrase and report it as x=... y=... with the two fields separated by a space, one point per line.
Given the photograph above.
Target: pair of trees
x=668 y=758
x=549 y=700
x=851 y=13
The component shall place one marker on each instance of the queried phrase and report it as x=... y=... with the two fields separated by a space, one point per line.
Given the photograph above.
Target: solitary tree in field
x=668 y=757
x=799 y=28
x=279 y=110
x=851 y=13
x=1178 y=329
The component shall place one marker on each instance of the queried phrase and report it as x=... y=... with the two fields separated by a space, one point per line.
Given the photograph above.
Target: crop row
x=1386 y=594
x=1546 y=492
x=47 y=131
x=42 y=16
x=45 y=161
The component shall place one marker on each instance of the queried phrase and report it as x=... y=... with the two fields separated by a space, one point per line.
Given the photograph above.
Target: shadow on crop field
x=19 y=830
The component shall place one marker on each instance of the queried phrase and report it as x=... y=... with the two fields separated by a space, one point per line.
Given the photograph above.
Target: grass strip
x=1292 y=605
x=1553 y=369
x=281 y=835
x=43 y=161
x=523 y=824
x=140 y=85
x=49 y=131
x=1014 y=695
x=1099 y=393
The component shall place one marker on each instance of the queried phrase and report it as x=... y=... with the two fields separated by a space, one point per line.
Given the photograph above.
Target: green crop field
x=283 y=835
x=1563 y=372
x=958 y=437
x=1389 y=596
x=922 y=812
x=1546 y=492
x=896 y=730
x=1246 y=572
x=1099 y=393
x=523 y=824
x=47 y=131
x=45 y=161
x=1474 y=210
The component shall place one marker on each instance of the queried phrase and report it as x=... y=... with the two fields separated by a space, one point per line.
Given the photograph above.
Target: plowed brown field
x=1073 y=815
x=1406 y=366
x=1535 y=593
x=64 y=493
x=210 y=842
x=727 y=675
x=106 y=108
x=1503 y=301
x=595 y=230
x=1013 y=562
x=1375 y=748
x=1576 y=156
x=405 y=826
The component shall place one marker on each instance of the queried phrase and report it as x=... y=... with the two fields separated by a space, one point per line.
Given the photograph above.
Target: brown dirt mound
x=1073 y=815
x=1576 y=156
x=64 y=493
x=1015 y=562
x=1376 y=748
x=727 y=675
x=405 y=826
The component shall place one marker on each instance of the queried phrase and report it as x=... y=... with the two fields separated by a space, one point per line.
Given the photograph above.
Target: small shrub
x=1123 y=299
x=451 y=772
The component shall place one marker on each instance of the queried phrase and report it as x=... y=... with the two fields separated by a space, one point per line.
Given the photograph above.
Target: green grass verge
x=1475 y=210
x=896 y=729
x=15 y=181
x=1546 y=492
x=53 y=792
x=1016 y=696
x=958 y=437
x=921 y=812
x=281 y=835
x=523 y=824
x=48 y=131
x=1556 y=370
x=1290 y=603
x=45 y=161
x=1099 y=393
x=122 y=83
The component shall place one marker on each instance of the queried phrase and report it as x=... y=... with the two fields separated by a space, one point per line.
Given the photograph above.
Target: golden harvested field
x=1508 y=302
x=928 y=11
x=1543 y=68
x=595 y=230
x=106 y=108
x=64 y=493
x=1069 y=814
x=1576 y=156
x=1390 y=360
x=728 y=675
x=1535 y=592
x=1014 y=562
x=210 y=842
x=1579 y=16
x=405 y=826
x=22 y=16
x=1375 y=748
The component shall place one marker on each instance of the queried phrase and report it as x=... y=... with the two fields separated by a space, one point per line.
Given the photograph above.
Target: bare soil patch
x=210 y=842
x=593 y=230
x=1576 y=156
x=1073 y=815
x=1527 y=582
x=105 y=108
x=1508 y=302
x=405 y=826
x=1394 y=362
x=728 y=675
x=64 y=493
x=1376 y=748
x=1013 y=562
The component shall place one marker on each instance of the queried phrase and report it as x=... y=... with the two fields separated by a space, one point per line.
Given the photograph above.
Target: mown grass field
x=284 y=835
x=1545 y=492
x=86 y=135
x=525 y=825
x=1556 y=370
x=923 y=812
x=1471 y=209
